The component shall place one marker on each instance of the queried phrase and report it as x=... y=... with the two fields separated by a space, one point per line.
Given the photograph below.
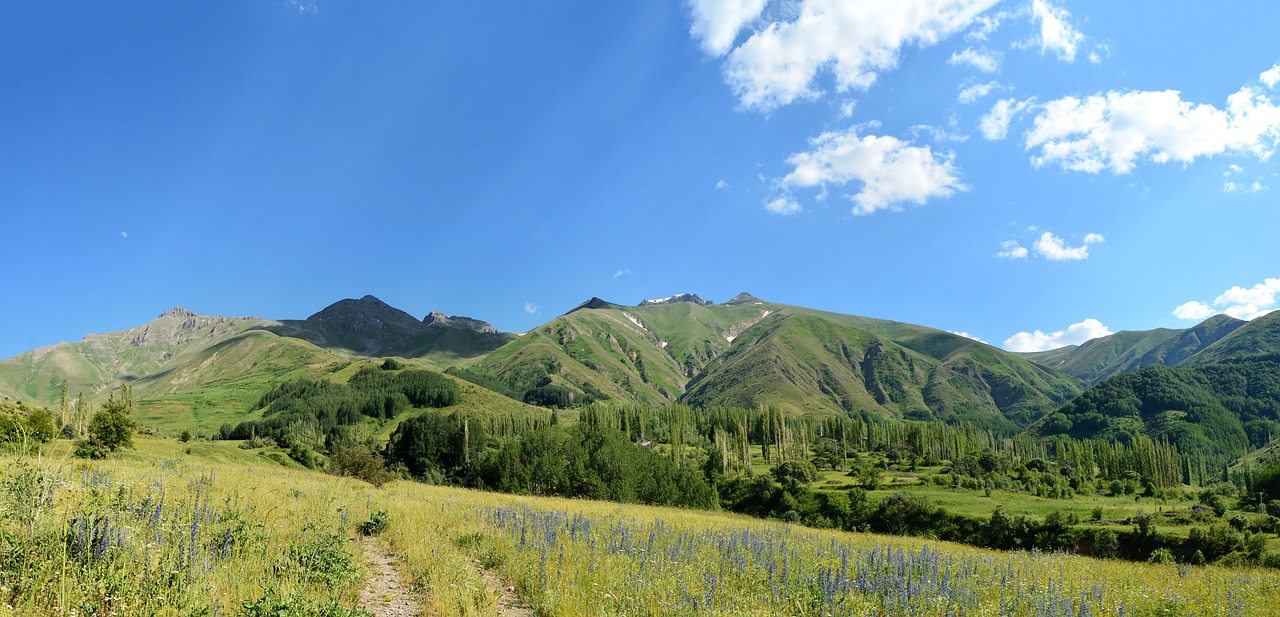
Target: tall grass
x=211 y=530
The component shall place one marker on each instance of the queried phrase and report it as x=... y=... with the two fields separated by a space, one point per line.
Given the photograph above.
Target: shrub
x=375 y=524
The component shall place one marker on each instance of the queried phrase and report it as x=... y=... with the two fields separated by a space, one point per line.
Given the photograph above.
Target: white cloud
x=1230 y=187
x=986 y=25
x=1054 y=248
x=855 y=41
x=977 y=91
x=1193 y=310
x=1256 y=186
x=1232 y=169
x=985 y=61
x=124 y=234
x=621 y=273
x=1239 y=302
x=717 y=22
x=1113 y=130
x=995 y=125
x=967 y=335
x=1074 y=335
x=530 y=308
x=1057 y=34
x=784 y=205
x=1012 y=250
x=937 y=133
x=890 y=171
x=1271 y=76
x=721 y=185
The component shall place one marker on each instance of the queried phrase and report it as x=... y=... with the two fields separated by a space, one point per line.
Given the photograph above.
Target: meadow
x=204 y=528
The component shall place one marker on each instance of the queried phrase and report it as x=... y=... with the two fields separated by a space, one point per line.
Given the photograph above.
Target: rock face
x=365 y=325
x=440 y=320
x=676 y=298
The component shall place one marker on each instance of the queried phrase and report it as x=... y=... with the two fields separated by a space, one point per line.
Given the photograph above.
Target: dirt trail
x=509 y=604
x=385 y=593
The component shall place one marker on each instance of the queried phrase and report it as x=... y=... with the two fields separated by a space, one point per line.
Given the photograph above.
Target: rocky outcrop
x=693 y=298
x=436 y=319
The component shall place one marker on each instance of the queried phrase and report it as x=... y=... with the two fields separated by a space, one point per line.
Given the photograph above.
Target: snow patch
x=766 y=314
x=664 y=344
x=730 y=338
x=635 y=321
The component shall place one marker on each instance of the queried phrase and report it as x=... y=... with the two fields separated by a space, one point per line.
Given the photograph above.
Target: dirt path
x=385 y=593
x=509 y=604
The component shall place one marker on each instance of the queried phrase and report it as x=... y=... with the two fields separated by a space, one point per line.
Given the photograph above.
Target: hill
x=1220 y=411
x=748 y=352
x=1129 y=351
x=370 y=327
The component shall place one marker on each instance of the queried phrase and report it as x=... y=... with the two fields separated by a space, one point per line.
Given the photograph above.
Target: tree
x=112 y=427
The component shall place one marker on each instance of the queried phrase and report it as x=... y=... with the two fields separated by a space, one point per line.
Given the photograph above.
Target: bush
x=362 y=463
x=1161 y=555
x=375 y=524
x=113 y=427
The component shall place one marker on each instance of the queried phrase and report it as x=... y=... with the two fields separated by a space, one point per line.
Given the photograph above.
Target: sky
x=1028 y=173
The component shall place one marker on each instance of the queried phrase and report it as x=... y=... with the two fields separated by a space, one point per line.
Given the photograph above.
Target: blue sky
x=1032 y=173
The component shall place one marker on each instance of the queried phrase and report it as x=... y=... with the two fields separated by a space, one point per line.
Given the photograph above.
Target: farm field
x=207 y=528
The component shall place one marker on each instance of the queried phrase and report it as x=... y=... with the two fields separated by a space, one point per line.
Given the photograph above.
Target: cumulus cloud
x=1054 y=248
x=1245 y=303
x=124 y=234
x=784 y=205
x=985 y=61
x=972 y=93
x=1271 y=76
x=721 y=185
x=717 y=22
x=854 y=41
x=1193 y=310
x=967 y=335
x=1115 y=130
x=995 y=124
x=1074 y=334
x=530 y=308
x=1012 y=250
x=1056 y=33
x=888 y=170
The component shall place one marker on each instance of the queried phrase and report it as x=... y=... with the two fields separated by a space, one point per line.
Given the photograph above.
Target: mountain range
x=744 y=352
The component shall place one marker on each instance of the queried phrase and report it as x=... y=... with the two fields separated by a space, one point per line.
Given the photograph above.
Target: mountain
x=1219 y=410
x=1128 y=351
x=100 y=362
x=675 y=299
x=370 y=327
x=748 y=352
x=439 y=320
x=1216 y=339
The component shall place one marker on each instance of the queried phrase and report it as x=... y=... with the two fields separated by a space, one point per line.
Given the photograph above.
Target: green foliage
x=375 y=524
x=112 y=428
x=433 y=444
x=361 y=462
x=327 y=406
x=273 y=604
x=1214 y=412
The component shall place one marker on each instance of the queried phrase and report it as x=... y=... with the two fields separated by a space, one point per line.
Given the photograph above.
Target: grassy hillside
x=1260 y=336
x=1220 y=411
x=270 y=537
x=100 y=362
x=1128 y=351
x=808 y=361
x=751 y=352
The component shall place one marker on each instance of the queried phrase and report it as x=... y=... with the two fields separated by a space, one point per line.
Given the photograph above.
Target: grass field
x=205 y=528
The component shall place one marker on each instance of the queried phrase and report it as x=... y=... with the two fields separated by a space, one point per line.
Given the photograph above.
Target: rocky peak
x=692 y=298
x=436 y=319
x=745 y=298
x=178 y=312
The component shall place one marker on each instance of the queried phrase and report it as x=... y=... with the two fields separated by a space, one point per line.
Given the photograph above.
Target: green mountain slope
x=1129 y=351
x=100 y=362
x=747 y=352
x=806 y=362
x=1260 y=336
x=1219 y=410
